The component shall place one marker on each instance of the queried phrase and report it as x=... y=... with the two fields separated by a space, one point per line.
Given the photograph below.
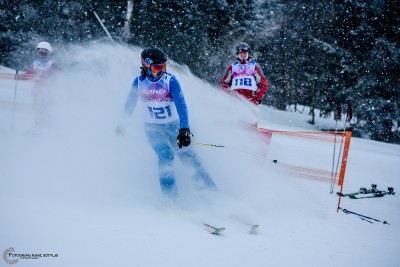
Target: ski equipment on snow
x=375 y=194
x=362 y=190
x=373 y=191
x=253 y=228
x=216 y=230
x=363 y=217
x=212 y=229
x=202 y=144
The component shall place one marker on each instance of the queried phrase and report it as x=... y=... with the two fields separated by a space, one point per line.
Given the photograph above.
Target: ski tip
x=254 y=228
x=220 y=230
x=212 y=229
x=216 y=231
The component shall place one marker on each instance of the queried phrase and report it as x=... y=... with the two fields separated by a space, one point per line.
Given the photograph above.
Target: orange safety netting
x=10 y=76
x=309 y=173
x=326 y=136
x=341 y=138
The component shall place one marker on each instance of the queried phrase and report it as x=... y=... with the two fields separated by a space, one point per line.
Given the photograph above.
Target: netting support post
x=343 y=165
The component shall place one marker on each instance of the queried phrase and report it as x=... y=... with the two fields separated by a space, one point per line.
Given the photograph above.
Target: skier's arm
x=227 y=80
x=130 y=105
x=30 y=70
x=262 y=83
x=53 y=69
x=180 y=103
x=132 y=98
x=27 y=75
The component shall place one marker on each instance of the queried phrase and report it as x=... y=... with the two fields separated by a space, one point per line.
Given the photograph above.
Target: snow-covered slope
x=77 y=190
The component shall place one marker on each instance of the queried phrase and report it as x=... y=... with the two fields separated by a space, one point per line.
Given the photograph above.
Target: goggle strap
x=145 y=63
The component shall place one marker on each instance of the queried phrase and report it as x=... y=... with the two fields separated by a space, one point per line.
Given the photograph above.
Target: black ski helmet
x=152 y=55
x=242 y=47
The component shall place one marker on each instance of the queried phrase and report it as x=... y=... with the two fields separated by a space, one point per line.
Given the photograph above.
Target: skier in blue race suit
x=166 y=119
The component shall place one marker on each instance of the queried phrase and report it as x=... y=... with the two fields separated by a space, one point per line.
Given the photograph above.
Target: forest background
x=327 y=55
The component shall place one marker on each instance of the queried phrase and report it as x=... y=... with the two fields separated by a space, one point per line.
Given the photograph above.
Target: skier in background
x=245 y=77
x=166 y=119
x=41 y=69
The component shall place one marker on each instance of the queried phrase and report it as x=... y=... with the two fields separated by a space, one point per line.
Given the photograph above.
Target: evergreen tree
x=369 y=35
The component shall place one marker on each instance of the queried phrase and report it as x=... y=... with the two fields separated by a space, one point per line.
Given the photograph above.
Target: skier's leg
x=166 y=171
x=189 y=157
x=159 y=142
x=38 y=105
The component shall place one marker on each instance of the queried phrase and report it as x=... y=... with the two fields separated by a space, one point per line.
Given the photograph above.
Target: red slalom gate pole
x=343 y=165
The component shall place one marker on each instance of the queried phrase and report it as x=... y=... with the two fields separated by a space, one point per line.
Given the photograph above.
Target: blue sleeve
x=132 y=98
x=180 y=103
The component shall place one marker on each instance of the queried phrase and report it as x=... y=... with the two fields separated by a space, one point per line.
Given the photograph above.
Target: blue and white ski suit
x=165 y=112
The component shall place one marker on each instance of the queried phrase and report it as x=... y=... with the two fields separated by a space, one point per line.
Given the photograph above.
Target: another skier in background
x=166 y=119
x=245 y=77
x=41 y=69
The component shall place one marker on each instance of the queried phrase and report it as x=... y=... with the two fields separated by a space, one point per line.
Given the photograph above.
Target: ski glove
x=183 y=138
x=255 y=101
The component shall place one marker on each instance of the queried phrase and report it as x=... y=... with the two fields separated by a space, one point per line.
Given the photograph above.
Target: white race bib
x=244 y=82
x=159 y=112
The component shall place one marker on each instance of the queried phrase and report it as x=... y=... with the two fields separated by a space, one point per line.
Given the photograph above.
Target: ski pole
x=333 y=178
x=15 y=97
x=363 y=217
x=349 y=112
x=104 y=27
x=202 y=144
x=229 y=147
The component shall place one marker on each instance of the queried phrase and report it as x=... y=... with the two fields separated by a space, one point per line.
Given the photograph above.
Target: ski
x=364 y=191
x=376 y=194
x=212 y=229
x=347 y=195
x=216 y=230
x=253 y=228
x=369 y=196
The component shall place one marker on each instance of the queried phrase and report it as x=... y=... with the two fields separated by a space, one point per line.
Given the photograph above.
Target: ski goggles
x=242 y=49
x=42 y=53
x=156 y=68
